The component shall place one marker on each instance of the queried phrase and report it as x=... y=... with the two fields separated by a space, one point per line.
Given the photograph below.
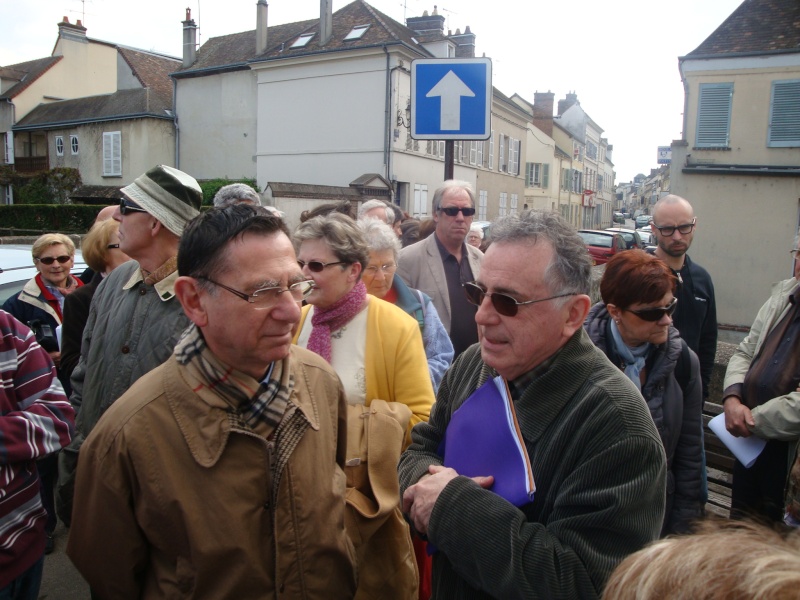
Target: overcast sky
x=619 y=56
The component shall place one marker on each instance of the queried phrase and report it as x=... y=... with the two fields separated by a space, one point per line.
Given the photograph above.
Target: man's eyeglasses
x=795 y=252
x=49 y=260
x=126 y=207
x=316 y=266
x=452 y=211
x=267 y=297
x=387 y=269
x=655 y=314
x=502 y=303
x=669 y=230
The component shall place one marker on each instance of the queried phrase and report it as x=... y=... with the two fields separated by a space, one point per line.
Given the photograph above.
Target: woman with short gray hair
x=379 y=277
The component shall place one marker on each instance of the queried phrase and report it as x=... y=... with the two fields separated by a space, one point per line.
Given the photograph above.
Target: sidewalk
x=61 y=581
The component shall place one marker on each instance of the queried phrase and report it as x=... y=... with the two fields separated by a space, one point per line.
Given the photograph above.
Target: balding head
x=105 y=213
x=671 y=200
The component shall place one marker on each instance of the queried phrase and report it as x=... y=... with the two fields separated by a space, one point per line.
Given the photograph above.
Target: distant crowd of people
x=220 y=407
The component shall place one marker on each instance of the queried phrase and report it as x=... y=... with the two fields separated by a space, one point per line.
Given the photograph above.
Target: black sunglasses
x=502 y=303
x=655 y=314
x=112 y=246
x=316 y=266
x=127 y=207
x=49 y=260
x=669 y=230
x=452 y=211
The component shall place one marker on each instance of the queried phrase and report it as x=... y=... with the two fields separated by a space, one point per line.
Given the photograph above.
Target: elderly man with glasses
x=673 y=226
x=596 y=467
x=220 y=473
x=134 y=320
x=440 y=264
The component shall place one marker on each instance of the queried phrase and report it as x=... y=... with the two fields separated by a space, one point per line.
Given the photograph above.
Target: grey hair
x=477 y=228
x=571 y=268
x=379 y=236
x=235 y=193
x=340 y=232
x=449 y=185
x=370 y=204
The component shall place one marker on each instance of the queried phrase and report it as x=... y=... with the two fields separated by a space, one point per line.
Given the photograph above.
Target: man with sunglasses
x=695 y=317
x=597 y=461
x=134 y=320
x=220 y=473
x=441 y=263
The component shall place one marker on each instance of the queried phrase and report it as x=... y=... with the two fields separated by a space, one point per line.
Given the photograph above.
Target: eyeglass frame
x=512 y=302
x=249 y=297
x=795 y=252
x=373 y=270
x=677 y=228
x=112 y=246
x=128 y=206
x=49 y=260
x=667 y=310
x=458 y=209
x=303 y=263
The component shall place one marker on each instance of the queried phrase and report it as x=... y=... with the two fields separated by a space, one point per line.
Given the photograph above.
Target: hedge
x=20 y=219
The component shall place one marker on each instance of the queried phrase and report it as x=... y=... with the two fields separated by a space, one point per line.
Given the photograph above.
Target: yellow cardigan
x=395 y=364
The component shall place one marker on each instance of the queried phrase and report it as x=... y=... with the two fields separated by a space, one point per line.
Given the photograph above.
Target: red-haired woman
x=633 y=327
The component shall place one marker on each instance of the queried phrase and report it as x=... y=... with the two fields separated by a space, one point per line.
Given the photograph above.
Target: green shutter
x=545 y=176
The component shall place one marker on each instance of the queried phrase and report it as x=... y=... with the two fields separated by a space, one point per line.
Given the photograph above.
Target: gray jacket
x=677 y=413
x=132 y=328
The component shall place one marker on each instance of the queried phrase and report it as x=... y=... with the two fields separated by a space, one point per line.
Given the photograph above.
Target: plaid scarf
x=258 y=406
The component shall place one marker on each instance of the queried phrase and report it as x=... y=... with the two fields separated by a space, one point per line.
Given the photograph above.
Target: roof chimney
x=325 y=21
x=189 y=40
x=543 y=111
x=69 y=31
x=570 y=100
x=261 y=27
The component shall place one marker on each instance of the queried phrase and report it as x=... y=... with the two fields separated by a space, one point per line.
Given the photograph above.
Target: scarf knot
x=633 y=358
x=337 y=315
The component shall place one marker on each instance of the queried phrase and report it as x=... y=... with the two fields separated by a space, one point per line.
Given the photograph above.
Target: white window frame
x=483 y=202
x=302 y=40
x=491 y=151
x=479 y=153
x=59 y=145
x=784 y=114
x=513 y=156
x=514 y=203
x=73 y=144
x=714 y=107
x=112 y=154
x=420 y=208
x=503 y=204
x=356 y=33
x=501 y=154
x=473 y=152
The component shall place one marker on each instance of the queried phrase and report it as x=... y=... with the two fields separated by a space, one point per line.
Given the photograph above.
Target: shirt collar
x=164 y=288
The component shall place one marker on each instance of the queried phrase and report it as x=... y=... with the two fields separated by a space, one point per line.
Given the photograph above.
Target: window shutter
x=784 y=118
x=502 y=154
x=112 y=154
x=714 y=115
x=545 y=176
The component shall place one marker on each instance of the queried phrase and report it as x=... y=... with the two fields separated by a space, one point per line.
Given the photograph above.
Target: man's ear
x=577 y=308
x=190 y=295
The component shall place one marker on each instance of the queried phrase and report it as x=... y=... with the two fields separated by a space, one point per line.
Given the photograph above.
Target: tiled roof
x=757 y=26
x=124 y=104
x=152 y=70
x=239 y=48
x=25 y=73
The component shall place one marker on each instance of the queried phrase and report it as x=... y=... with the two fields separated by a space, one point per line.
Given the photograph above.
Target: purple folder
x=483 y=438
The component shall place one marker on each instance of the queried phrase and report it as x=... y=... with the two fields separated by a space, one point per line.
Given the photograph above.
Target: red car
x=602 y=245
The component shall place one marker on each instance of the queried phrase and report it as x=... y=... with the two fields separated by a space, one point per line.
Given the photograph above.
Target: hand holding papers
x=483 y=438
x=745 y=449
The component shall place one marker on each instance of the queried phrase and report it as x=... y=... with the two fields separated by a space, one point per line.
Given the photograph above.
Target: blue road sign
x=451 y=99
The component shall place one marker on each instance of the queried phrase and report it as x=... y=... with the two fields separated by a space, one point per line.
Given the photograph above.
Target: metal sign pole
x=448 y=159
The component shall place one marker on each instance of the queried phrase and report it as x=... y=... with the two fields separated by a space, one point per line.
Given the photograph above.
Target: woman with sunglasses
x=633 y=327
x=377 y=351
x=379 y=277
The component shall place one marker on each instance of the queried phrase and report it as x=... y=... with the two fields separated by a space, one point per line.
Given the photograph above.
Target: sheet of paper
x=745 y=449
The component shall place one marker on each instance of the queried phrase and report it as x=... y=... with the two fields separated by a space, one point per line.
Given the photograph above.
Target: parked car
x=16 y=268
x=643 y=221
x=602 y=245
x=631 y=237
x=648 y=239
x=618 y=218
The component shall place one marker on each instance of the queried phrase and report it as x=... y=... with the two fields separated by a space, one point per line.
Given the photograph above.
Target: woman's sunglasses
x=502 y=303
x=317 y=267
x=49 y=260
x=655 y=314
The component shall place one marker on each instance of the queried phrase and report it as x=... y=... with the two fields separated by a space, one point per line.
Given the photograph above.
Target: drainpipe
x=175 y=123
x=387 y=151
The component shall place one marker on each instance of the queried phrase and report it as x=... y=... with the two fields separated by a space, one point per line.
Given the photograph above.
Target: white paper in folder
x=745 y=449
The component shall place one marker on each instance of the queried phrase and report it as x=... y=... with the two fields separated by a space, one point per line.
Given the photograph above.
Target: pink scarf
x=336 y=316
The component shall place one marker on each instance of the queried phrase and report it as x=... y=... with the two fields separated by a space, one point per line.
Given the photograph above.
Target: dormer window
x=302 y=41
x=356 y=33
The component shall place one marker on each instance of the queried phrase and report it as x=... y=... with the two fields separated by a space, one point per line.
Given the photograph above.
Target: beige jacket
x=174 y=497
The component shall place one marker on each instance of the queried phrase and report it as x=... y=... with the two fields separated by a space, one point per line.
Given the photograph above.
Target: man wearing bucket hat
x=135 y=320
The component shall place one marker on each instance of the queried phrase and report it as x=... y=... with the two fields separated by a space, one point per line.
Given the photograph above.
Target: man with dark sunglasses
x=597 y=462
x=442 y=263
x=695 y=316
x=134 y=320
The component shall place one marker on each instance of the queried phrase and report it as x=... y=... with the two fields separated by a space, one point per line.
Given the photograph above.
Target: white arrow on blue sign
x=451 y=99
